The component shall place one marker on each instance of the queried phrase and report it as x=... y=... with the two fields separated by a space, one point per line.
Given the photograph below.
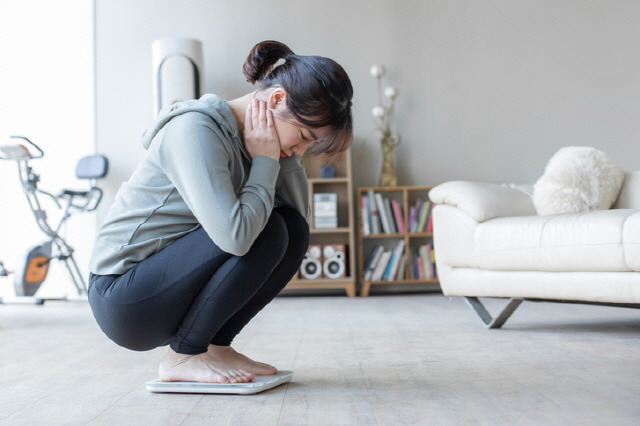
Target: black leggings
x=192 y=294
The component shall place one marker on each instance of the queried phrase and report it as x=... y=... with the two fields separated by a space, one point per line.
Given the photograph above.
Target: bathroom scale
x=259 y=384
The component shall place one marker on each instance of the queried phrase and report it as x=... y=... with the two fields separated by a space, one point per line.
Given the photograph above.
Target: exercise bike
x=34 y=267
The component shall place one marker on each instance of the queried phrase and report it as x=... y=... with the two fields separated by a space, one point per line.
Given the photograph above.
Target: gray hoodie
x=195 y=172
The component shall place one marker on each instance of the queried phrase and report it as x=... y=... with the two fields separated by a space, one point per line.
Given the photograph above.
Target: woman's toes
x=246 y=375
x=234 y=376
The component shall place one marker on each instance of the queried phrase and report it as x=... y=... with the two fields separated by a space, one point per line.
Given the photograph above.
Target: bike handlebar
x=20 y=152
x=40 y=151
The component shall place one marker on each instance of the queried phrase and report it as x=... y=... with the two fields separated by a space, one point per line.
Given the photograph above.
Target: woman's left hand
x=260 y=136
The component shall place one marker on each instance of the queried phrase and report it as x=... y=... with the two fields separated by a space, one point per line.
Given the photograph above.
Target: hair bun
x=262 y=58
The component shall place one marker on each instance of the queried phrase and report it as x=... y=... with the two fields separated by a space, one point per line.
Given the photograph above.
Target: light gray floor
x=415 y=359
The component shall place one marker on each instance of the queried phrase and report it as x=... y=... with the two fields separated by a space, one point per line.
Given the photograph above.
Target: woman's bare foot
x=176 y=367
x=227 y=357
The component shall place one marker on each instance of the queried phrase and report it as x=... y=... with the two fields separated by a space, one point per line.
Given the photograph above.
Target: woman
x=212 y=223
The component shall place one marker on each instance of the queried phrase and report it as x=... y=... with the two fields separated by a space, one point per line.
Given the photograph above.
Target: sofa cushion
x=631 y=241
x=577 y=179
x=603 y=240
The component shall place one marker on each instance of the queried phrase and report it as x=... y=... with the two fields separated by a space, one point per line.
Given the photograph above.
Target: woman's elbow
x=235 y=248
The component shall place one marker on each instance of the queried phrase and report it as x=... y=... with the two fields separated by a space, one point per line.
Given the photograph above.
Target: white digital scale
x=258 y=384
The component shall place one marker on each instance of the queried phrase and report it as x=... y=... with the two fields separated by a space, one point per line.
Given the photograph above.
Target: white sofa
x=489 y=242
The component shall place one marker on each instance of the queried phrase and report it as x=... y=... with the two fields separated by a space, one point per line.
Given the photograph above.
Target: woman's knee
x=285 y=234
x=297 y=229
x=293 y=219
x=273 y=239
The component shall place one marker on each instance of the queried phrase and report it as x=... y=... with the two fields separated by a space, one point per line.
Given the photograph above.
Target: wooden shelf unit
x=406 y=196
x=344 y=233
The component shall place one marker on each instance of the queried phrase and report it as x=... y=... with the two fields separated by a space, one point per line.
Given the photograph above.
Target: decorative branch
x=384 y=111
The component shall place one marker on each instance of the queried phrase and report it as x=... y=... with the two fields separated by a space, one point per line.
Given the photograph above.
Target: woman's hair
x=318 y=90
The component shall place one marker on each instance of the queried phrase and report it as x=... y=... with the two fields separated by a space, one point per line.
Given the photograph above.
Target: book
x=416 y=220
x=381 y=266
x=397 y=214
x=412 y=218
x=364 y=214
x=420 y=267
x=372 y=262
x=433 y=263
x=424 y=212
x=382 y=213
x=375 y=219
x=427 y=263
x=430 y=219
x=389 y=211
x=395 y=261
x=413 y=272
x=402 y=269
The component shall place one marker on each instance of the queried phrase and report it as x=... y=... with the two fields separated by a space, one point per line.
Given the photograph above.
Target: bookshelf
x=341 y=236
x=408 y=245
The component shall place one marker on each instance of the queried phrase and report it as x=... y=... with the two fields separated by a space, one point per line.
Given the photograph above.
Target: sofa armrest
x=483 y=201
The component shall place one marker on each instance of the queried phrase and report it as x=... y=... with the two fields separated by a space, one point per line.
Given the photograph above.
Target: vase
x=388 y=175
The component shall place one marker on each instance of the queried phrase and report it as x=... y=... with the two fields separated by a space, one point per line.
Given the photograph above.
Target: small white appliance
x=177 y=71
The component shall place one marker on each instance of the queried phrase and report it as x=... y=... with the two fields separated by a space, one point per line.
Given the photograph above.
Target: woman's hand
x=260 y=136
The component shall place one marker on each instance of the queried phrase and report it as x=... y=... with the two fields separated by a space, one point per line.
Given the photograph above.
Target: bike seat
x=73 y=193
x=92 y=167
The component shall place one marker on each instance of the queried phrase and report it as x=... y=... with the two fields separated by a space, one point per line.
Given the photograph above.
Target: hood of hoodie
x=210 y=105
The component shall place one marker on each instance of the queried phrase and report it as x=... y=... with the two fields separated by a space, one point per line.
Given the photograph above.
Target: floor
x=402 y=359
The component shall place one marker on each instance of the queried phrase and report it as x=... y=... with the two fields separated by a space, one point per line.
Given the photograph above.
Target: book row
x=389 y=264
x=423 y=263
x=381 y=214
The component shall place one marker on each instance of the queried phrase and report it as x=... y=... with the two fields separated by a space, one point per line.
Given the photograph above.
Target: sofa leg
x=486 y=317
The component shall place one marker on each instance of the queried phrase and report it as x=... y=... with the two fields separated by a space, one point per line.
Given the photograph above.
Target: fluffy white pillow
x=577 y=179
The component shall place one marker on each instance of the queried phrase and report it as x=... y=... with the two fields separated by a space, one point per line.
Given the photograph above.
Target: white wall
x=502 y=85
x=46 y=94
x=490 y=89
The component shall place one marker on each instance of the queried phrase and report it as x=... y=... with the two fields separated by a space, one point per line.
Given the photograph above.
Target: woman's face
x=294 y=137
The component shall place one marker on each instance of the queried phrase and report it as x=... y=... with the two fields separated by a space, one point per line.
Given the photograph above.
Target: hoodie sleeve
x=292 y=188
x=195 y=158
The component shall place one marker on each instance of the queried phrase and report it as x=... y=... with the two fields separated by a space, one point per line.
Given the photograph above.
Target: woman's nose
x=301 y=147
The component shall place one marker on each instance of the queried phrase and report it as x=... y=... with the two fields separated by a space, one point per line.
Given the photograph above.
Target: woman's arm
x=196 y=156
x=261 y=139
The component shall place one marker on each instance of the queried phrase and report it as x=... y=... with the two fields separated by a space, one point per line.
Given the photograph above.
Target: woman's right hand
x=260 y=136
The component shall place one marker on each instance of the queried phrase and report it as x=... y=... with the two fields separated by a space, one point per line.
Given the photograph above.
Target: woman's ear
x=277 y=98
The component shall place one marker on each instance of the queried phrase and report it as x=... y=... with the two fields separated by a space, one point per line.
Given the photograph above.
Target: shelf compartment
x=342 y=235
x=407 y=196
